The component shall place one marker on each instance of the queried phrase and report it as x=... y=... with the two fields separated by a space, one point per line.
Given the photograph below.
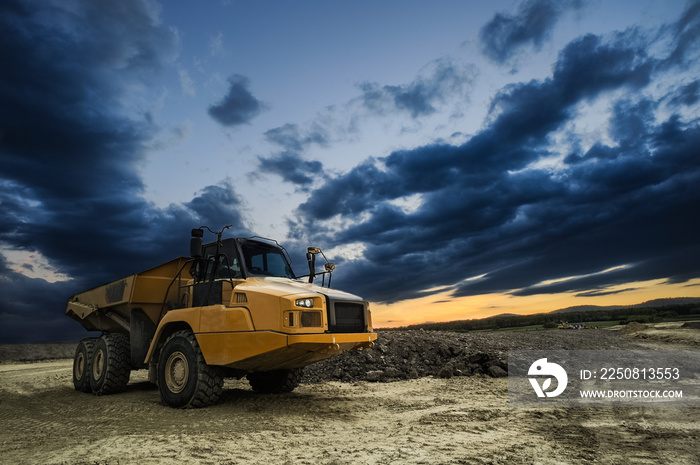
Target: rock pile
x=408 y=354
x=401 y=355
x=633 y=327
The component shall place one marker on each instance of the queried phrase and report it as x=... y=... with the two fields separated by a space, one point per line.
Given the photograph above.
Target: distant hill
x=647 y=304
x=657 y=308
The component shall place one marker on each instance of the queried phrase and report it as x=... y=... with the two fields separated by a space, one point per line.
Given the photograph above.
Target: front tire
x=184 y=378
x=274 y=382
x=110 y=365
x=82 y=364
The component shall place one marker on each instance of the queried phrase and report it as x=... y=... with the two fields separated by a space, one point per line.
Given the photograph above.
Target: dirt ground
x=424 y=420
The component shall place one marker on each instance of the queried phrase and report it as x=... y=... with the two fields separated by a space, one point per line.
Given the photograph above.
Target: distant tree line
x=551 y=320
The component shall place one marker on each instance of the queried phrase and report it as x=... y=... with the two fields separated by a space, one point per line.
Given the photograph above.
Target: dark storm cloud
x=485 y=212
x=685 y=36
x=504 y=35
x=291 y=168
x=527 y=113
x=214 y=203
x=687 y=95
x=55 y=66
x=420 y=97
x=239 y=106
x=30 y=311
x=289 y=164
x=70 y=153
x=602 y=293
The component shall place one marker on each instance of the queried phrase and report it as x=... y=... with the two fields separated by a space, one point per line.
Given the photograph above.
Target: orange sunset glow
x=441 y=307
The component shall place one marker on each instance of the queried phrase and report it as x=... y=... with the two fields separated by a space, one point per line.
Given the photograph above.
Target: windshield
x=264 y=260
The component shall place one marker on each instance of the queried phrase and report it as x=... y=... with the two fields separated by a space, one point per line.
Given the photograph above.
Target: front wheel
x=184 y=378
x=272 y=382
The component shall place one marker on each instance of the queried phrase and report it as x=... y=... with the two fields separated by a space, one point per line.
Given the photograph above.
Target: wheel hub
x=177 y=372
x=79 y=369
x=98 y=364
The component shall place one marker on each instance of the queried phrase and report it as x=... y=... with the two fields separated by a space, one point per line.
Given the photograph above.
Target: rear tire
x=184 y=378
x=82 y=363
x=110 y=365
x=274 y=382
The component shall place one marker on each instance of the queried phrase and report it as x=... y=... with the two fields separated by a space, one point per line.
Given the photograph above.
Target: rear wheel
x=81 y=364
x=270 y=382
x=110 y=365
x=184 y=378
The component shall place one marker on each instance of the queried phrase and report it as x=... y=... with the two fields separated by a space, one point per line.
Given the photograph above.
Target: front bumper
x=267 y=350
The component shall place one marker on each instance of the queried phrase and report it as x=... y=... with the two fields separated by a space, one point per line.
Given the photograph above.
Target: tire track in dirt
x=459 y=420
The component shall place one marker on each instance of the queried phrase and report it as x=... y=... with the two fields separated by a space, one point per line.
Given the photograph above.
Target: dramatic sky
x=457 y=159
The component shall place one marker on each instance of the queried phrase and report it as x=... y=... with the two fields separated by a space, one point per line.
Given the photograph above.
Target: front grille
x=347 y=317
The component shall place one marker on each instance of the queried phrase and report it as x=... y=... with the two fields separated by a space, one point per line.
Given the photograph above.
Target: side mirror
x=311 y=257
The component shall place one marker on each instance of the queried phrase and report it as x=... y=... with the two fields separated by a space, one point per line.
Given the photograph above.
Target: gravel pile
x=401 y=355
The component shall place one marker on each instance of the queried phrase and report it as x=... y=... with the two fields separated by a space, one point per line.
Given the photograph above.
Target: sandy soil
x=429 y=420
x=666 y=333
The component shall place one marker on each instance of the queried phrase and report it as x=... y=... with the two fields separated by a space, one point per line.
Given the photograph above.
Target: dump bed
x=108 y=307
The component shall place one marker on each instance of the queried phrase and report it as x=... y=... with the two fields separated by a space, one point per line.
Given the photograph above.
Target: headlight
x=306 y=303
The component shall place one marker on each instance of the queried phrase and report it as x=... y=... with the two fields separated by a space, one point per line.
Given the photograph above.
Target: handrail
x=178 y=276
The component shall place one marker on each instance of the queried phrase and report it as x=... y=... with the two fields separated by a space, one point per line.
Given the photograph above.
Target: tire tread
x=117 y=365
x=210 y=383
x=84 y=384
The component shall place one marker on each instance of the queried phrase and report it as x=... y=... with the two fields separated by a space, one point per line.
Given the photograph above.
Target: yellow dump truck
x=234 y=308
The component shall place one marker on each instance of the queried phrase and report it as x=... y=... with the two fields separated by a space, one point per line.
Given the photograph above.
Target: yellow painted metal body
x=258 y=326
x=146 y=290
x=267 y=350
